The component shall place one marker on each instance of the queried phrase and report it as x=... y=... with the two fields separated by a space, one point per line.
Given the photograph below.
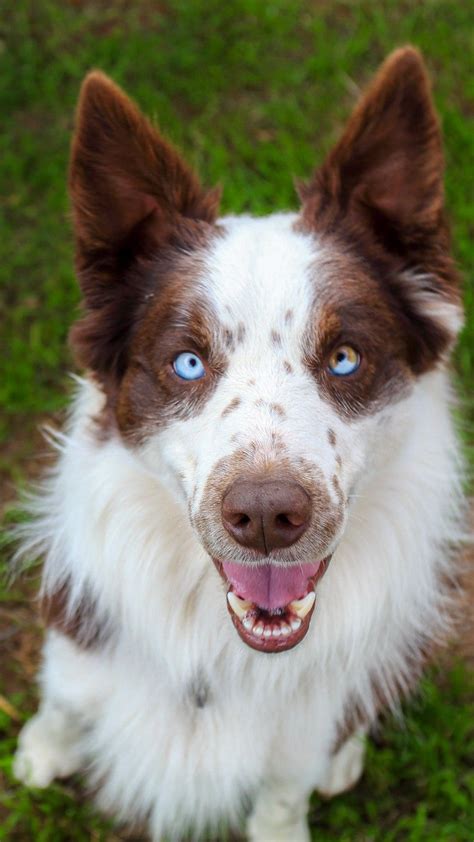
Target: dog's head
x=254 y=364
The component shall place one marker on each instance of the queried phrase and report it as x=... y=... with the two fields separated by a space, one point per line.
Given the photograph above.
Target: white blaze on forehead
x=262 y=276
x=259 y=271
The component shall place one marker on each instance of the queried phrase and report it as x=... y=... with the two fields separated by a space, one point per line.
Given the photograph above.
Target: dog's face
x=254 y=364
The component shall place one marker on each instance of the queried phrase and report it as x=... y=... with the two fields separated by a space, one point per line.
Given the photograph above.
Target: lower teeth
x=247 y=613
x=260 y=629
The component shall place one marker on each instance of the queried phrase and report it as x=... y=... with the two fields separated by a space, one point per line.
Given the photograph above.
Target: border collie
x=250 y=531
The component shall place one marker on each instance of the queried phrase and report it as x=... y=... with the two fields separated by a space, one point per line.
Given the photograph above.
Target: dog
x=250 y=532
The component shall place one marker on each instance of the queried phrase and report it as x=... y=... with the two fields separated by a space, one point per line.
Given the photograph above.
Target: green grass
x=254 y=92
x=419 y=779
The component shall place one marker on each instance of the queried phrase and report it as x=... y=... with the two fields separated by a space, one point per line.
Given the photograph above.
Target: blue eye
x=188 y=366
x=344 y=360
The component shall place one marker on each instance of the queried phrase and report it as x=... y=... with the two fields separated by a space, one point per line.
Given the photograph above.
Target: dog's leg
x=346 y=766
x=279 y=814
x=48 y=746
x=72 y=685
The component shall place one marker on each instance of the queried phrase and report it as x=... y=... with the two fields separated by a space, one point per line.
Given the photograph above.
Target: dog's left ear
x=388 y=165
x=381 y=189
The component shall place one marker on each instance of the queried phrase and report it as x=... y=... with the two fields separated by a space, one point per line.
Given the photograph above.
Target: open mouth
x=271 y=607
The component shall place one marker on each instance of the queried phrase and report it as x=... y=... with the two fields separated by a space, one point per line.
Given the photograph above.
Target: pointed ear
x=133 y=198
x=129 y=187
x=388 y=165
x=380 y=192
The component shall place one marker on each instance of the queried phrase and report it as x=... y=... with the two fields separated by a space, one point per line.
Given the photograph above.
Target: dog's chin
x=272 y=629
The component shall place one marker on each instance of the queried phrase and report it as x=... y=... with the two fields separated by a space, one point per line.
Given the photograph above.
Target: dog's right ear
x=132 y=195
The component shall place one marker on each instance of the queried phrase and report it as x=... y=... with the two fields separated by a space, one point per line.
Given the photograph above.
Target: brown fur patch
x=352 y=309
x=278 y=409
x=288 y=367
x=235 y=402
x=337 y=489
x=83 y=624
x=150 y=393
x=275 y=337
x=332 y=437
x=229 y=339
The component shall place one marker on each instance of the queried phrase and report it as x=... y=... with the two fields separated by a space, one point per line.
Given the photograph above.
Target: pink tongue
x=269 y=586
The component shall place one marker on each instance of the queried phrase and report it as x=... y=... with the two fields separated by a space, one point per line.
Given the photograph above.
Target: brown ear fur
x=386 y=172
x=380 y=191
x=389 y=160
x=132 y=197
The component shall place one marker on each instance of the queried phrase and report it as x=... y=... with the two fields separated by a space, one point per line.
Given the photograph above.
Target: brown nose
x=266 y=514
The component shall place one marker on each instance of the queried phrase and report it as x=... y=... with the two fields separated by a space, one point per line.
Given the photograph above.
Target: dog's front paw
x=260 y=832
x=43 y=754
x=279 y=815
x=345 y=767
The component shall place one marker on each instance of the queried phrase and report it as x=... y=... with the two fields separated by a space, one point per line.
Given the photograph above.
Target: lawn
x=254 y=92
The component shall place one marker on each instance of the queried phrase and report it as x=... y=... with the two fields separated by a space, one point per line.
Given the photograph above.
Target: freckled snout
x=266 y=514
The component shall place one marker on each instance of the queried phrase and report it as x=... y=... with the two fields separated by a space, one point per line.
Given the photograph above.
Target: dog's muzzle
x=270 y=603
x=271 y=528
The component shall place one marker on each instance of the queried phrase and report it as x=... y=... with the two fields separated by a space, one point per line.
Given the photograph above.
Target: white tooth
x=276 y=631
x=295 y=623
x=302 y=607
x=248 y=622
x=285 y=630
x=239 y=606
x=267 y=632
x=258 y=629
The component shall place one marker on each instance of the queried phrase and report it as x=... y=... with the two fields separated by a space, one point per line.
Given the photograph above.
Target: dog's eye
x=188 y=366
x=344 y=360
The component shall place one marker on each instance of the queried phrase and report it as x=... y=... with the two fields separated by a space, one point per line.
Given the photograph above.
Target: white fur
x=113 y=520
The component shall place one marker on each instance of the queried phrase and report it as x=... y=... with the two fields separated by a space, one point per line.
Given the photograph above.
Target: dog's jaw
x=273 y=630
